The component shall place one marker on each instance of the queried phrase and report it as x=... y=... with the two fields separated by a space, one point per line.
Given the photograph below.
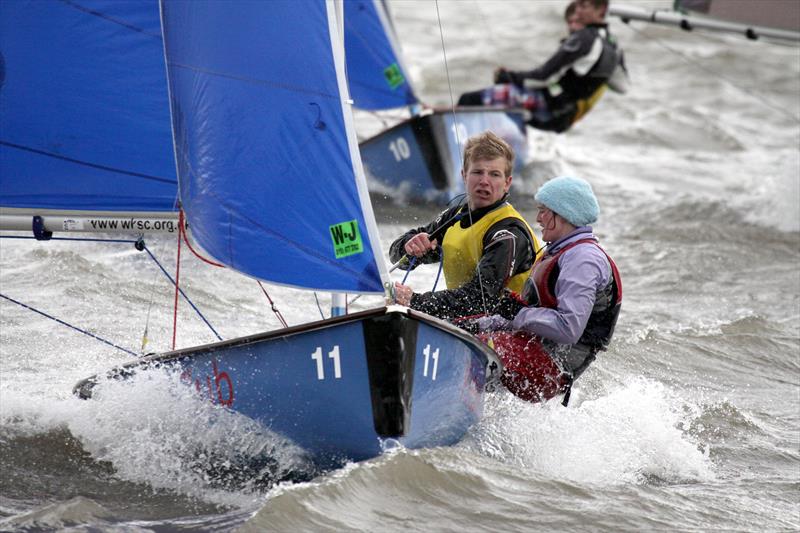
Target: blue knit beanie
x=572 y=198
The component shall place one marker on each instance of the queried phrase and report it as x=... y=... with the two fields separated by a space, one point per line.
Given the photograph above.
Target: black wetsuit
x=494 y=265
x=582 y=64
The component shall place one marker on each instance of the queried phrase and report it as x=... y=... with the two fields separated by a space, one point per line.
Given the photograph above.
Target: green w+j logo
x=393 y=76
x=346 y=239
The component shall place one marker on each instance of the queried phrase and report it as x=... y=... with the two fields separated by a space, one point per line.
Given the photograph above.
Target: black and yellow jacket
x=574 y=78
x=495 y=241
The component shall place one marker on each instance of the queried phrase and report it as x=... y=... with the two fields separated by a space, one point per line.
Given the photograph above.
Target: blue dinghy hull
x=419 y=159
x=340 y=388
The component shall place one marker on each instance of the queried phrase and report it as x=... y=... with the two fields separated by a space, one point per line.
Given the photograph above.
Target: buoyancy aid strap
x=567 y=391
x=543 y=269
x=617 y=278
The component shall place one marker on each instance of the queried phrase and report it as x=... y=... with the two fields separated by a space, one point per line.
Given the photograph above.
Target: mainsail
x=84 y=121
x=100 y=72
x=268 y=165
x=85 y=129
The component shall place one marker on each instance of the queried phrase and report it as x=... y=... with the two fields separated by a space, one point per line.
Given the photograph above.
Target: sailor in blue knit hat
x=548 y=335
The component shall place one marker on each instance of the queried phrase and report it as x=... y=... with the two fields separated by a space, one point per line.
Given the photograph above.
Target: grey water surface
x=689 y=422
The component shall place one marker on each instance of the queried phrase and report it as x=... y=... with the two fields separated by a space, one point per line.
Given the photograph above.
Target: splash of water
x=630 y=435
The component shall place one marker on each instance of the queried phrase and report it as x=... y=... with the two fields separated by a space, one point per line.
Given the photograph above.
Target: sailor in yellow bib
x=464 y=247
x=486 y=245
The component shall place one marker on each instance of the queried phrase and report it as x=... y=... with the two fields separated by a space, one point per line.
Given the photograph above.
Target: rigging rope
x=143 y=247
x=164 y=270
x=274 y=307
x=458 y=140
x=177 y=280
x=447 y=70
x=411 y=263
x=182 y=229
x=79 y=330
x=145 y=335
x=719 y=75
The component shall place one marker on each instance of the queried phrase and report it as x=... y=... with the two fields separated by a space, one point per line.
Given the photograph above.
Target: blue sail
x=85 y=120
x=268 y=166
x=374 y=70
x=84 y=115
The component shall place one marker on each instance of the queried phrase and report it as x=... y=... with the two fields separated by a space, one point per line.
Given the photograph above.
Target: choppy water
x=691 y=420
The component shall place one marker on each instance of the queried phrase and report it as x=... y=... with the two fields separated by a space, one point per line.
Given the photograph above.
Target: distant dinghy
x=418 y=159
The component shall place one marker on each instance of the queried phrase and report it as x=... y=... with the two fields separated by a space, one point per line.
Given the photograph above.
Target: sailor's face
x=587 y=13
x=485 y=181
x=547 y=223
x=574 y=23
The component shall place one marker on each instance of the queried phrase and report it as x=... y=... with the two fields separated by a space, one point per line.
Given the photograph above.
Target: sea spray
x=629 y=434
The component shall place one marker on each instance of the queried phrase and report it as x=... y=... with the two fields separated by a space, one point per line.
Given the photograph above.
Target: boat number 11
x=428 y=357
x=333 y=354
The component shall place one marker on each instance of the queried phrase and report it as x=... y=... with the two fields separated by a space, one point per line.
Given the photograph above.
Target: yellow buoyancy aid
x=463 y=248
x=585 y=105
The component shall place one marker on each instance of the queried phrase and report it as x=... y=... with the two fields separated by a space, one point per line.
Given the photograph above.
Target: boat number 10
x=400 y=149
x=428 y=356
x=334 y=355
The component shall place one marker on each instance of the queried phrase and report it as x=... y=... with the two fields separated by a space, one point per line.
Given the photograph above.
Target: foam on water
x=154 y=429
x=771 y=197
x=630 y=434
x=157 y=430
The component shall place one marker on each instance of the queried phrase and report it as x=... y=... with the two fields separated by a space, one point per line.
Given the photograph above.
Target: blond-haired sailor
x=486 y=245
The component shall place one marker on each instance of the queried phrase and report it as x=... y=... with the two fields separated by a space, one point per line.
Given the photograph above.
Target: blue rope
x=182 y=293
x=438 y=274
x=410 y=268
x=79 y=330
x=185 y=297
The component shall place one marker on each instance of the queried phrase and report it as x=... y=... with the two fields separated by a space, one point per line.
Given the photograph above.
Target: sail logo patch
x=394 y=77
x=346 y=239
